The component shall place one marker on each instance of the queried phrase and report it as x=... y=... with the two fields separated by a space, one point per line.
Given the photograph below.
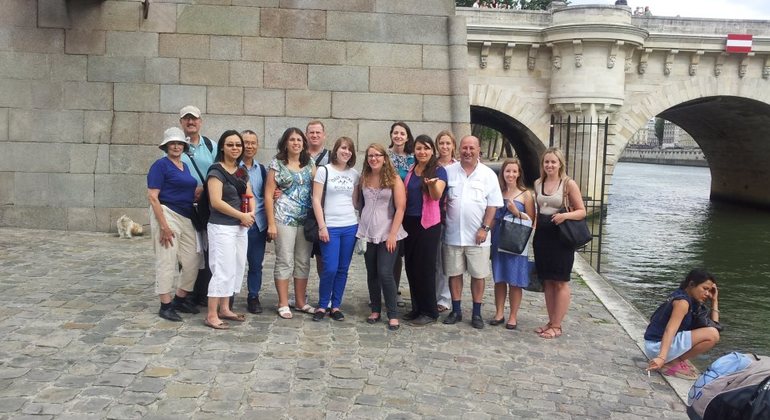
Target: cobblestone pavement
x=82 y=339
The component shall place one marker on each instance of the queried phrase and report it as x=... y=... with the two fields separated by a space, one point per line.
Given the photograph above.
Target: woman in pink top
x=382 y=212
x=425 y=183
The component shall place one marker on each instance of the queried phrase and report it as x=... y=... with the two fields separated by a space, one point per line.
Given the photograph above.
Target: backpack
x=735 y=387
x=201 y=210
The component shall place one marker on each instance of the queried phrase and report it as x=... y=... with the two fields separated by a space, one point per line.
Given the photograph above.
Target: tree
x=659 y=125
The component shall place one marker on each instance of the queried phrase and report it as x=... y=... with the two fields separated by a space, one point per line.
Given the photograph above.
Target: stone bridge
x=599 y=62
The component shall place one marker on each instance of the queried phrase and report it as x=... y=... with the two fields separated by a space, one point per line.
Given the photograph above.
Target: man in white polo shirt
x=473 y=196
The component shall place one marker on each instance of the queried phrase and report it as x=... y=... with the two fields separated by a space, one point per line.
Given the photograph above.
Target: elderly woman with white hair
x=171 y=192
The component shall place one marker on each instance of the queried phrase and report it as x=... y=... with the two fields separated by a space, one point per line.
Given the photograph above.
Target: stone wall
x=88 y=86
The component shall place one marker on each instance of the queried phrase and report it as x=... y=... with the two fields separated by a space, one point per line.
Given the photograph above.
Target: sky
x=717 y=9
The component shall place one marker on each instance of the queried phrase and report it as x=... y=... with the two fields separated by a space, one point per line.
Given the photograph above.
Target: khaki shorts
x=458 y=259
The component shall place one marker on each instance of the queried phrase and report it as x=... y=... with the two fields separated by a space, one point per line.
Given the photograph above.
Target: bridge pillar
x=591 y=50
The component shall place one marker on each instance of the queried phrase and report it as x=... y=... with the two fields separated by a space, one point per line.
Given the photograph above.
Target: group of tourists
x=432 y=204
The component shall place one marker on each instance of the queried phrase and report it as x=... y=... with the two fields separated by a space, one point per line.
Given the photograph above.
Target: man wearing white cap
x=199 y=158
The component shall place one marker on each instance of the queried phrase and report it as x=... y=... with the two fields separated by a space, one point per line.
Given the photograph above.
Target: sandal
x=337 y=315
x=551 y=332
x=319 y=315
x=285 y=313
x=234 y=317
x=540 y=330
x=221 y=326
x=373 y=319
x=306 y=309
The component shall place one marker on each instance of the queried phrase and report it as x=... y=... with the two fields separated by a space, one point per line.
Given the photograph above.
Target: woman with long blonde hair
x=554 y=258
x=383 y=201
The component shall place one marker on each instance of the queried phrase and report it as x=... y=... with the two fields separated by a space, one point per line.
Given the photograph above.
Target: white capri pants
x=183 y=251
x=227 y=258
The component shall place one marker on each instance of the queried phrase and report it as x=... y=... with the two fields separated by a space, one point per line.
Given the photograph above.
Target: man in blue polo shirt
x=199 y=158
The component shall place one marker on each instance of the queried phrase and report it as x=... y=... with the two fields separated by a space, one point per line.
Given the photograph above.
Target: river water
x=660 y=224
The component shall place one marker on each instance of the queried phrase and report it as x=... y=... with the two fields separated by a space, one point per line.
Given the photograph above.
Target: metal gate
x=584 y=143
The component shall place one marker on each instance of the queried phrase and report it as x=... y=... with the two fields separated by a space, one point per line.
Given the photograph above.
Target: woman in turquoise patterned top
x=292 y=172
x=401 y=153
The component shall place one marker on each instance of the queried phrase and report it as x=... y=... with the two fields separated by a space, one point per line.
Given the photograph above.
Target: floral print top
x=296 y=187
x=402 y=163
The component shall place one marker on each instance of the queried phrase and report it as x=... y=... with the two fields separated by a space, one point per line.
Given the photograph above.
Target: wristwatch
x=485 y=227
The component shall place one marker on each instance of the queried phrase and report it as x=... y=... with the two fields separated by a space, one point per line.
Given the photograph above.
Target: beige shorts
x=292 y=253
x=459 y=259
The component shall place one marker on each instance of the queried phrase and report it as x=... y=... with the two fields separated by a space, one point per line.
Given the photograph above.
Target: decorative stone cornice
x=507 y=55
x=669 y=64
x=694 y=61
x=532 y=56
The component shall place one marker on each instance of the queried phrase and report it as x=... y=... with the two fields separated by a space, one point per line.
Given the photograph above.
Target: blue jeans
x=336 y=255
x=255 y=255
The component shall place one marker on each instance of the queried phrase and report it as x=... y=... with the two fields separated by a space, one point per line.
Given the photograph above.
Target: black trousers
x=420 y=249
x=201 y=289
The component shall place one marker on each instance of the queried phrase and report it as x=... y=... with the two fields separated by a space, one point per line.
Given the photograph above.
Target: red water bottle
x=245 y=202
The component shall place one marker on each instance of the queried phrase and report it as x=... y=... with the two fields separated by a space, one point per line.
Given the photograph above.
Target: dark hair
x=283 y=152
x=696 y=277
x=432 y=164
x=221 y=146
x=337 y=144
x=244 y=132
x=409 y=146
x=501 y=175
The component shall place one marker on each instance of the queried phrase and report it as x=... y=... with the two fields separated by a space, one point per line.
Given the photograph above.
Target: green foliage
x=659 y=122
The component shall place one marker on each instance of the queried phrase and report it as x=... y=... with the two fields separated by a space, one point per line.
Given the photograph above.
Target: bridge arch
x=728 y=121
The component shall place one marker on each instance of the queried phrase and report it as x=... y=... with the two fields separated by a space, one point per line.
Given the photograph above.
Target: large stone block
x=377 y=27
x=16 y=157
x=395 y=80
x=225 y=48
x=18 y=65
x=423 y=7
x=313 y=51
x=225 y=100
x=349 y=5
x=339 y=78
x=17 y=13
x=97 y=126
x=85 y=42
x=31 y=189
x=161 y=70
x=308 y=103
x=374 y=132
x=183 y=45
x=436 y=57
x=115 y=69
x=133 y=159
x=132 y=44
x=261 y=49
x=204 y=72
x=266 y=102
x=83 y=158
x=47 y=95
x=288 y=23
x=103 y=159
x=34 y=217
x=152 y=126
x=6 y=188
x=82 y=219
x=87 y=95
x=175 y=97
x=383 y=55
x=106 y=15
x=125 y=129
x=67 y=67
x=372 y=106
x=121 y=190
x=43 y=125
x=70 y=190
x=52 y=14
x=50 y=41
x=15 y=93
x=256 y=3
x=162 y=18
x=218 y=20
x=215 y=125
x=437 y=108
x=285 y=76
x=275 y=126
x=3 y=124
x=246 y=74
x=137 y=97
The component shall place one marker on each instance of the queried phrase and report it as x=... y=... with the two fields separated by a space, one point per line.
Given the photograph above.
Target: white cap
x=190 y=109
x=174 y=134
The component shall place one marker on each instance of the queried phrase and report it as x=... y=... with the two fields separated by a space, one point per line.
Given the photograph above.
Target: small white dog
x=127 y=227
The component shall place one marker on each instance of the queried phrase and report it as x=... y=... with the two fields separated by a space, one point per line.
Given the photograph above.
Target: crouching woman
x=682 y=327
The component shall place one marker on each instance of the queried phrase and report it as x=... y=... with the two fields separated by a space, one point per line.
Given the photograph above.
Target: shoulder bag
x=310 y=227
x=574 y=233
x=514 y=234
x=201 y=210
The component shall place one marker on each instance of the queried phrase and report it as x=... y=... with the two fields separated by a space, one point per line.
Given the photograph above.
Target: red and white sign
x=738 y=43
